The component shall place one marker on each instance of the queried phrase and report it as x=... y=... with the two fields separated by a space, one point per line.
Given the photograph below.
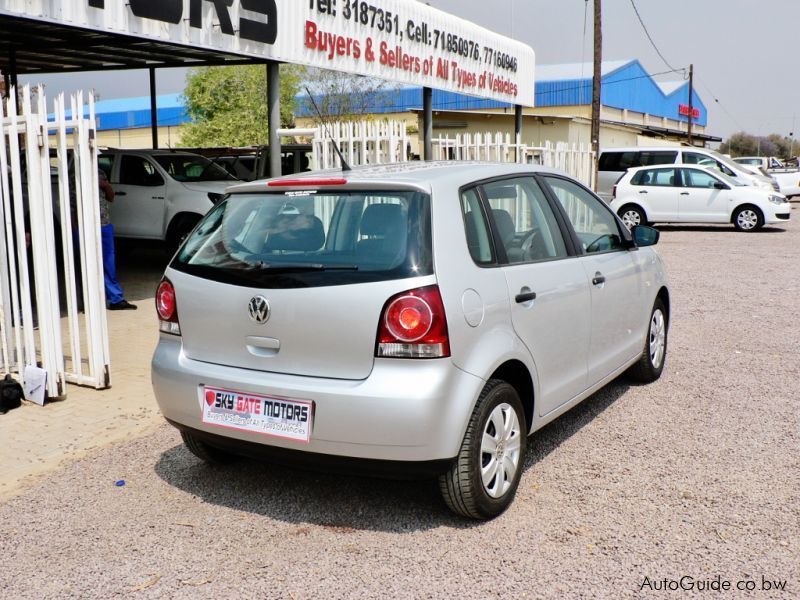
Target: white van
x=614 y=162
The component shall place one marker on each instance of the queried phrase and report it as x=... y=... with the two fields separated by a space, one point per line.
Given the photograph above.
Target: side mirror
x=645 y=236
x=718 y=185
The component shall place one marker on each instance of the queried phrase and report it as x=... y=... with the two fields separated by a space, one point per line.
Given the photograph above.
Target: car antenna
x=345 y=166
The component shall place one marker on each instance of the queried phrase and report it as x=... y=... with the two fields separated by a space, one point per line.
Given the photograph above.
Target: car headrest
x=381 y=219
x=296 y=232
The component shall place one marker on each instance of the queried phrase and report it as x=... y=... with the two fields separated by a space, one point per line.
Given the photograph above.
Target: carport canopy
x=399 y=40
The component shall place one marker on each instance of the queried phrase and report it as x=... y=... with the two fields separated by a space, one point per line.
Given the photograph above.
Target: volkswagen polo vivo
x=419 y=318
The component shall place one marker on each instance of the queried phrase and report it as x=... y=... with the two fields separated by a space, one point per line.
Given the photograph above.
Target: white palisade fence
x=50 y=248
x=574 y=159
x=361 y=143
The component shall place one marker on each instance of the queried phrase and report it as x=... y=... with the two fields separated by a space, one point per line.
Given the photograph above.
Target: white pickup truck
x=788 y=178
x=161 y=194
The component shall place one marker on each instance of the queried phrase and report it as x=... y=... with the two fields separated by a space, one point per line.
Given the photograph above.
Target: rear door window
x=314 y=238
x=655 y=177
x=525 y=224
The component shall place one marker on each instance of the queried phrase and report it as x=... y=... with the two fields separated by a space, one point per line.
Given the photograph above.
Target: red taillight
x=614 y=191
x=167 y=308
x=413 y=325
x=307 y=182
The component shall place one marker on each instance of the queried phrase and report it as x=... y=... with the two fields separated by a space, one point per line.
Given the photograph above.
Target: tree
x=745 y=144
x=345 y=97
x=228 y=105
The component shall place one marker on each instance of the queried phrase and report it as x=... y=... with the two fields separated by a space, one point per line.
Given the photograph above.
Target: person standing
x=115 y=299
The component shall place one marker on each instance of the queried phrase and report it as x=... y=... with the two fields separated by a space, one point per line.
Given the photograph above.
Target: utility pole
x=691 y=100
x=598 y=60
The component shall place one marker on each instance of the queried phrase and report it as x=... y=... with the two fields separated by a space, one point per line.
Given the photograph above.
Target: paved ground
x=697 y=475
x=34 y=439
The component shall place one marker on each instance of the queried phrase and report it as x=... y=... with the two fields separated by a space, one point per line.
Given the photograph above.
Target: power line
x=649 y=37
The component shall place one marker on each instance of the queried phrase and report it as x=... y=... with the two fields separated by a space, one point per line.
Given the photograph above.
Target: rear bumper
x=406 y=410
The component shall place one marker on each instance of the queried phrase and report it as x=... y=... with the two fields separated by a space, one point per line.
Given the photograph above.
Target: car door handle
x=524 y=297
x=598 y=279
x=684 y=193
x=121 y=193
x=643 y=192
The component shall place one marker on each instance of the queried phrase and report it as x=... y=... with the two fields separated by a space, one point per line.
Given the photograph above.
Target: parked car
x=614 y=162
x=694 y=194
x=415 y=318
x=788 y=178
x=252 y=162
x=161 y=194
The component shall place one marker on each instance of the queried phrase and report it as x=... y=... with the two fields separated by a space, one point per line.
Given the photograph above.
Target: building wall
x=140 y=137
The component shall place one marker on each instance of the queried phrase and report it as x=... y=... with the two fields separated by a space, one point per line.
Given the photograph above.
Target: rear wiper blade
x=300 y=267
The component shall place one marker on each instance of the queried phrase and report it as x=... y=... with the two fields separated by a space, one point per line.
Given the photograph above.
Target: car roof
x=416 y=174
x=652 y=148
x=147 y=151
x=710 y=170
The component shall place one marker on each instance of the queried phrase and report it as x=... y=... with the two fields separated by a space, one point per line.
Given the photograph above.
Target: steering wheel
x=528 y=242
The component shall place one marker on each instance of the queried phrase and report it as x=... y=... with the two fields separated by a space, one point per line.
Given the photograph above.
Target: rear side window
x=476 y=228
x=312 y=239
x=655 y=177
x=617 y=161
x=622 y=161
x=524 y=221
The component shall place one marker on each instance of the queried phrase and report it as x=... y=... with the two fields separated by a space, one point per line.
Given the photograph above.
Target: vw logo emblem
x=259 y=309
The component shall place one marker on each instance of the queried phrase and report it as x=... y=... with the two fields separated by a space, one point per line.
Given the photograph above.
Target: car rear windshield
x=311 y=239
x=192 y=167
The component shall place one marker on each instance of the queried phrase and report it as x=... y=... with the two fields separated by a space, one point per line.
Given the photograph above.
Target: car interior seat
x=295 y=233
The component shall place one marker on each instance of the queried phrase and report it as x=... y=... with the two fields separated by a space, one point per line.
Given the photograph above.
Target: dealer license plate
x=267 y=415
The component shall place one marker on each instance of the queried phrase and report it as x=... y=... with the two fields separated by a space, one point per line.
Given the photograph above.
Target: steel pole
x=274 y=117
x=517 y=129
x=153 y=108
x=427 y=123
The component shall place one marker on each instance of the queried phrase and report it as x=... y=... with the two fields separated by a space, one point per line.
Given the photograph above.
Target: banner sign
x=683 y=110
x=404 y=41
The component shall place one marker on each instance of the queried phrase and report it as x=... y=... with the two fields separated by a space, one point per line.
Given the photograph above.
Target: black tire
x=207 y=453
x=650 y=366
x=462 y=486
x=631 y=215
x=180 y=227
x=748 y=218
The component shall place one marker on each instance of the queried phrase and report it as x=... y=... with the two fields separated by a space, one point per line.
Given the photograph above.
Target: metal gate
x=52 y=295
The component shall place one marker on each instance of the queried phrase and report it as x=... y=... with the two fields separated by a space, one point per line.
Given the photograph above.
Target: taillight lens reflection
x=167 y=308
x=413 y=325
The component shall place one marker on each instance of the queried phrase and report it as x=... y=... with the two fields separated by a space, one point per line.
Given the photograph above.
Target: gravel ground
x=696 y=475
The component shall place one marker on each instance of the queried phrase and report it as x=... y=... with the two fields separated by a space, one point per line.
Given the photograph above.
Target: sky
x=745 y=53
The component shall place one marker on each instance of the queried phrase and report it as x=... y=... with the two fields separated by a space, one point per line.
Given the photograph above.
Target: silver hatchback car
x=422 y=318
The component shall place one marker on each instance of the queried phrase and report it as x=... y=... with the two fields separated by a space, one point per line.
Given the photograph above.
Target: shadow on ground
x=727 y=229
x=349 y=502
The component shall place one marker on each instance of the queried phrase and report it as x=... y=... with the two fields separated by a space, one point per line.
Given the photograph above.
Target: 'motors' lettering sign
x=172 y=11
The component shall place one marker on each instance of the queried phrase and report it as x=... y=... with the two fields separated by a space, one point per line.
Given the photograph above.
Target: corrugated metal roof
x=626 y=85
x=577 y=71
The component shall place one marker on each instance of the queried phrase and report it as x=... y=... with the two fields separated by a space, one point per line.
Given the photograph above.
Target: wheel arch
x=636 y=205
x=663 y=295
x=519 y=377
x=742 y=206
x=178 y=218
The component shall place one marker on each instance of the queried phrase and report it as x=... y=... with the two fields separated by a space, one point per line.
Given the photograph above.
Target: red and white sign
x=683 y=110
x=400 y=40
x=278 y=417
